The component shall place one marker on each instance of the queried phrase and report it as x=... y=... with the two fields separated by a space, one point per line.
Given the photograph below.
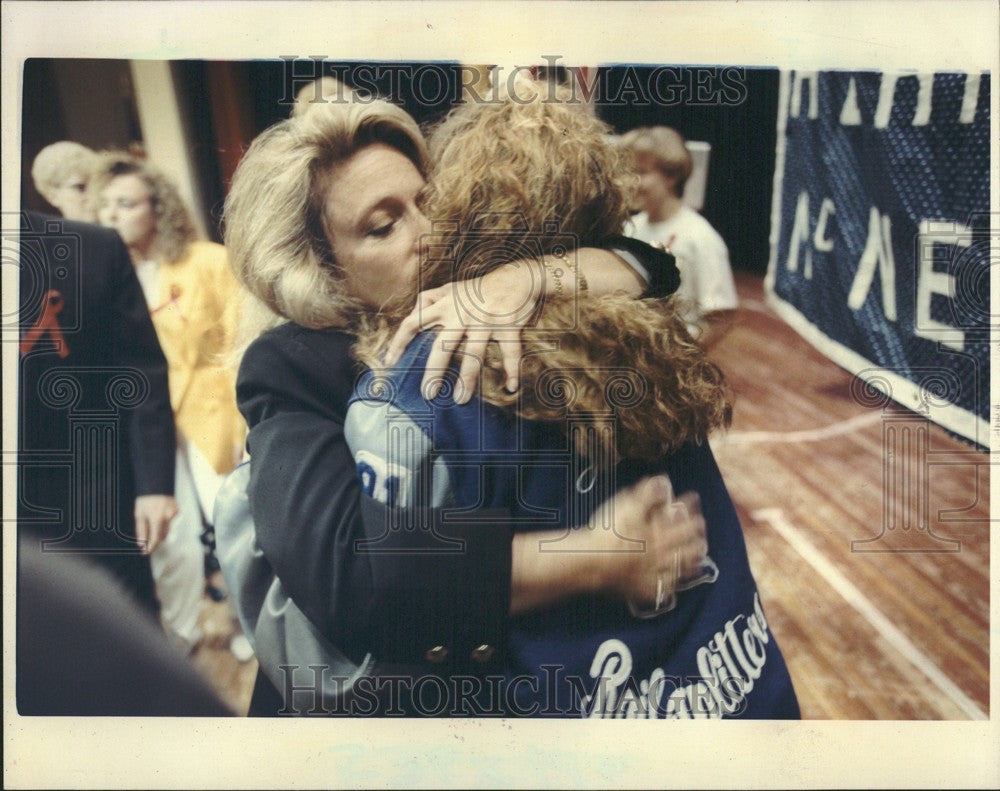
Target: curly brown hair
x=174 y=228
x=536 y=175
x=532 y=175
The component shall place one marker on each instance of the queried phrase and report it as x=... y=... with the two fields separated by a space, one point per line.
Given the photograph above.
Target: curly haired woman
x=190 y=292
x=611 y=390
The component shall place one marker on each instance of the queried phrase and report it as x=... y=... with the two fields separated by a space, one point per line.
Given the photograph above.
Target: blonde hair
x=533 y=175
x=668 y=150
x=274 y=221
x=174 y=229
x=319 y=91
x=55 y=163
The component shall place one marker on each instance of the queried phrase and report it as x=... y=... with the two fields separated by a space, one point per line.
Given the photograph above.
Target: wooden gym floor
x=867 y=529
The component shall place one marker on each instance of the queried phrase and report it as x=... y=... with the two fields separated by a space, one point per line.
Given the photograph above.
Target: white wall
x=163 y=131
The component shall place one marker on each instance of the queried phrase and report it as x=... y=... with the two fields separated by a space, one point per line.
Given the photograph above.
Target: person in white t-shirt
x=664 y=165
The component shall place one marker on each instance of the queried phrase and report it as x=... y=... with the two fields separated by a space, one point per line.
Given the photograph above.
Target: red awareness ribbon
x=47 y=322
x=175 y=296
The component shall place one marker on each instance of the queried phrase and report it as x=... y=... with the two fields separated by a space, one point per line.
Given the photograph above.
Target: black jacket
x=95 y=428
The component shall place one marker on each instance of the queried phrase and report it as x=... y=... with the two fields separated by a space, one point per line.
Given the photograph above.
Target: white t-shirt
x=148 y=273
x=702 y=258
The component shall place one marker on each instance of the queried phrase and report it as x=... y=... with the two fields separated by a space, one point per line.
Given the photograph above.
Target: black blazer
x=95 y=428
x=366 y=585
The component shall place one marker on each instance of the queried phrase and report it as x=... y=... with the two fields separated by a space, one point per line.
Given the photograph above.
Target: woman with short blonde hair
x=281 y=252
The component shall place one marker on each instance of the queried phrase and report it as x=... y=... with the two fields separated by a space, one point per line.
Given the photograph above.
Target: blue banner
x=881 y=238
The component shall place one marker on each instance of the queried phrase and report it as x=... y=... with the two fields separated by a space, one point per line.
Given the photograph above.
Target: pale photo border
x=173 y=753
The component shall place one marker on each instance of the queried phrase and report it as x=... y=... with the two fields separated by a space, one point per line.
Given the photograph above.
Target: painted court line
x=758 y=307
x=886 y=629
x=805 y=435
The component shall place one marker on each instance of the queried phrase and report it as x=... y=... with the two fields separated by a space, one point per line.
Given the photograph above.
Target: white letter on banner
x=969 y=99
x=922 y=115
x=802 y=77
x=821 y=241
x=930 y=282
x=850 y=113
x=878 y=251
x=800 y=233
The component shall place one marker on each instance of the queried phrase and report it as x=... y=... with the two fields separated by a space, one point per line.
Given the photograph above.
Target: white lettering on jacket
x=729 y=664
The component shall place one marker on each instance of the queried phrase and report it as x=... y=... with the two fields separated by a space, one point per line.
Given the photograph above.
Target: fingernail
x=512 y=384
x=431 y=390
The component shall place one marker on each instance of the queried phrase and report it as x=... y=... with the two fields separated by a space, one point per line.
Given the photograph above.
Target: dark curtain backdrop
x=226 y=104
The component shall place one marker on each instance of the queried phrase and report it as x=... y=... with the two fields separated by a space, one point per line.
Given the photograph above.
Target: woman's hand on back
x=469 y=314
x=640 y=545
x=654 y=542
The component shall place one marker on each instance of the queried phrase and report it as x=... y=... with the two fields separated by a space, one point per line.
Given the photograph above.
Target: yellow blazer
x=195 y=319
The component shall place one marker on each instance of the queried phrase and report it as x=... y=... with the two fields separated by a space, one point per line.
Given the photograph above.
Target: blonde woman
x=323 y=225
x=191 y=296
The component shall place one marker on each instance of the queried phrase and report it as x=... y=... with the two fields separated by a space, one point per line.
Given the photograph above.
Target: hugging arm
x=497 y=305
x=342 y=562
x=371 y=586
x=365 y=584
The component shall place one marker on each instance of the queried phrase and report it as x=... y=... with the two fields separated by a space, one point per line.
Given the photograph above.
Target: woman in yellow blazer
x=192 y=297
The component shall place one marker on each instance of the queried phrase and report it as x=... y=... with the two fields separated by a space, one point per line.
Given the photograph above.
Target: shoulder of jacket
x=292 y=340
x=38 y=223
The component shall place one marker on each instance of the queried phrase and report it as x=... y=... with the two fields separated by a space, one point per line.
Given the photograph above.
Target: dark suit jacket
x=95 y=427
x=366 y=585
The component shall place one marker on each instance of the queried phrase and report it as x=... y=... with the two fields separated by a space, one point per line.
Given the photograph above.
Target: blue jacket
x=712 y=655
